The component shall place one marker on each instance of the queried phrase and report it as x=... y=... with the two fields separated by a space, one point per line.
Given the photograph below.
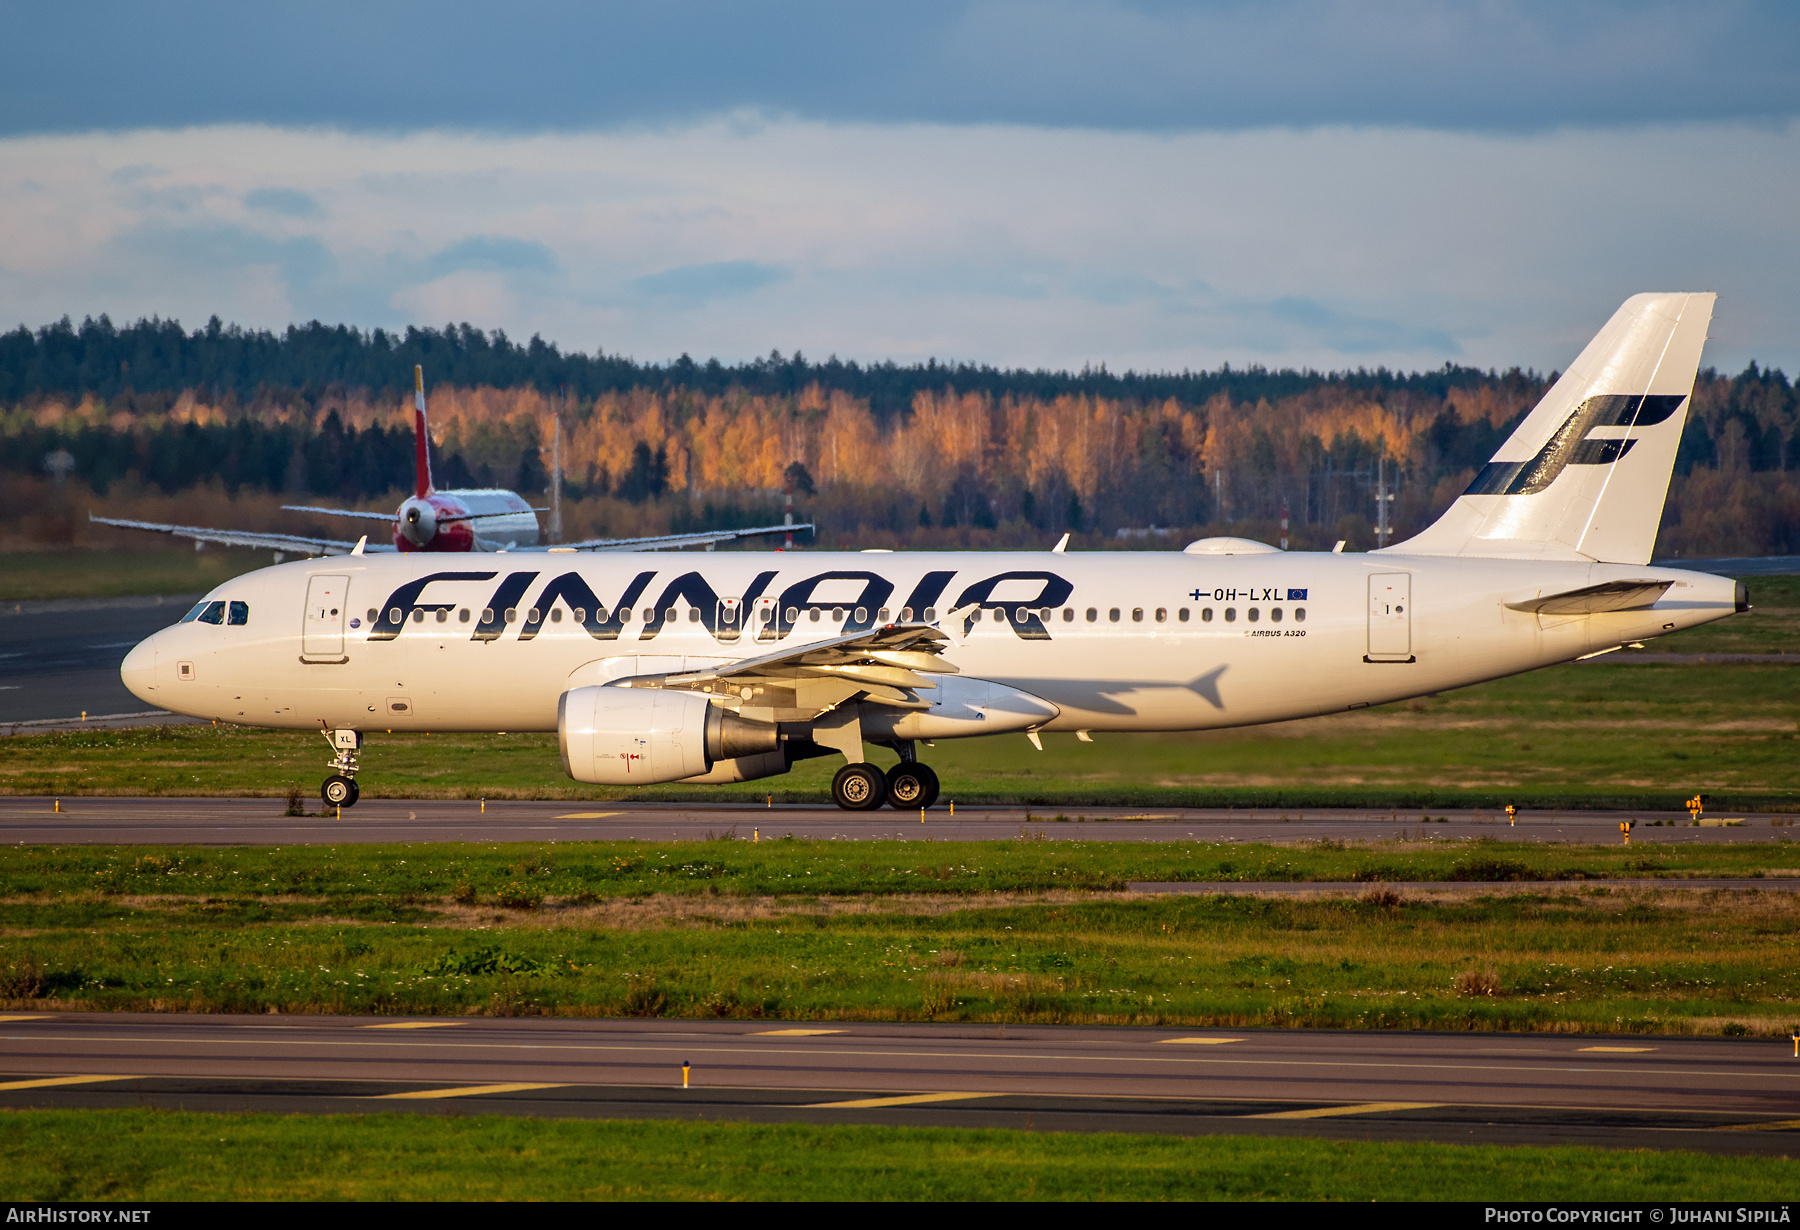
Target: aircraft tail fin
x=1586 y=474
x=421 y=438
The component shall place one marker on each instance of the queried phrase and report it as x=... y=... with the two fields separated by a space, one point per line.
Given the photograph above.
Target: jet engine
x=641 y=736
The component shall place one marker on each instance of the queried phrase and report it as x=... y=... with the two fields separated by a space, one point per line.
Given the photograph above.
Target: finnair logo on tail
x=1571 y=446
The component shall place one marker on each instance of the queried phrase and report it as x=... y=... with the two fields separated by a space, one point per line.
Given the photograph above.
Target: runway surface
x=232 y=822
x=1714 y=1095
x=60 y=658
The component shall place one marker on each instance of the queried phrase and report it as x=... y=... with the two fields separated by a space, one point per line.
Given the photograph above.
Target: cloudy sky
x=1151 y=185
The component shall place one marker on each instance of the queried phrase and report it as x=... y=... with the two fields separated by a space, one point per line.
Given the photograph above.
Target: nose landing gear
x=339 y=790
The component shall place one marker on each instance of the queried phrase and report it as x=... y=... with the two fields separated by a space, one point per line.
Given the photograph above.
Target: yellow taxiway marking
x=794 y=1033
x=590 y=815
x=1774 y=1125
x=1617 y=1050
x=61 y=1080
x=36 y=1016
x=911 y=1099
x=469 y=1091
x=1327 y=1112
x=416 y=1025
x=1203 y=1041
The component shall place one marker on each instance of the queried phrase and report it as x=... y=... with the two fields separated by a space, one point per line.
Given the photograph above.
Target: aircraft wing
x=339 y=512
x=296 y=543
x=670 y=541
x=886 y=665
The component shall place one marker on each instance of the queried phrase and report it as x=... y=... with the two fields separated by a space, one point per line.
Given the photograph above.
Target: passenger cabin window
x=1230 y=614
x=1068 y=614
x=1162 y=614
x=1182 y=615
x=238 y=614
x=462 y=616
x=930 y=613
x=1253 y=614
x=905 y=614
x=1205 y=614
x=556 y=614
x=1137 y=614
x=1299 y=614
x=882 y=617
x=1093 y=614
x=1275 y=614
x=374 y=614
x=1114 y=614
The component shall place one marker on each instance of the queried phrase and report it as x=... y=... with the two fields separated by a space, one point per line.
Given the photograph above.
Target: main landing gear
x=864 y=787
x=339 y=790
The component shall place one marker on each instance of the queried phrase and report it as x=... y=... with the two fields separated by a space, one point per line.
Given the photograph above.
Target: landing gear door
x=1390 y=617
x=322 y=629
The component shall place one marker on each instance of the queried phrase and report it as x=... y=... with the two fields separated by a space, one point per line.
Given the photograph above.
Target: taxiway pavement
x=261 y=821
x=1714 y=1095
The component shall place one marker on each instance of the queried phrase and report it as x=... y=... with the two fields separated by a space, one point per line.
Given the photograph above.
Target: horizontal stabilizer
x=1594 y=599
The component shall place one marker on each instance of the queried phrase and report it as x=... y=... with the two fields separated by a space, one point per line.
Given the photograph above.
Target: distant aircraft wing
x=339 y=512
x=669 y=541
x=296 y=543
x=887 y=665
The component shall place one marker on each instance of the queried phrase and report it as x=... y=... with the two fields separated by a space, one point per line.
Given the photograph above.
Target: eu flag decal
x=1296 y=595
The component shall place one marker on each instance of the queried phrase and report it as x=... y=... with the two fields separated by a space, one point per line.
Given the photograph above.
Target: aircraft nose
x=138 y=672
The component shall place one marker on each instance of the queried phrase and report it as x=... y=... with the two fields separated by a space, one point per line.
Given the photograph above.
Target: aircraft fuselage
x=1114 y=641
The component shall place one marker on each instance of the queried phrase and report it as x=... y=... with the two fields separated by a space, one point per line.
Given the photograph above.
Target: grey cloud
x=1352 y=334
x=288 y=201
x=1508 y=65
x=698 y=284
x=496 y=253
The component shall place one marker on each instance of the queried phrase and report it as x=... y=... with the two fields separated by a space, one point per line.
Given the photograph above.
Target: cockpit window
x=238 y=613
x=212 y=613
x=194 y=614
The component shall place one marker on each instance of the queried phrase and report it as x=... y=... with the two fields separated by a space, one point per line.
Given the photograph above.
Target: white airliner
x=661 y=668
x=483 y=519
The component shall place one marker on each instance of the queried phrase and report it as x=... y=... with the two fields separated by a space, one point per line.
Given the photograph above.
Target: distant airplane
x=479 y=519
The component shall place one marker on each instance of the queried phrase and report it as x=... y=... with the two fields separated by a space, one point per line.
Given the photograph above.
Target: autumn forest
x=221 y=426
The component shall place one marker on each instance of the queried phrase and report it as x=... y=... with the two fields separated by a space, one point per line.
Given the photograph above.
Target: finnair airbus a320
x=668 y=668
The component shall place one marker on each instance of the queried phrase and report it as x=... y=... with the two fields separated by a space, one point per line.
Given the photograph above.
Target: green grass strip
x=156 y=1155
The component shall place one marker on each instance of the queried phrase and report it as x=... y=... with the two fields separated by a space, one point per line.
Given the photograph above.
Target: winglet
x=421 y=439
x=1061 y=547
x=360 y=544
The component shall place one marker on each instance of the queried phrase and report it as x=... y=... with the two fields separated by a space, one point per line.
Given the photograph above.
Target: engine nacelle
x=620 y=736
x=743 y=769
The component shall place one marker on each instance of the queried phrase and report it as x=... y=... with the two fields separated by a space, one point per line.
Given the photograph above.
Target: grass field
x=982 y=932
x=1592 y=734
x=27 y=576
x=128 y=1155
